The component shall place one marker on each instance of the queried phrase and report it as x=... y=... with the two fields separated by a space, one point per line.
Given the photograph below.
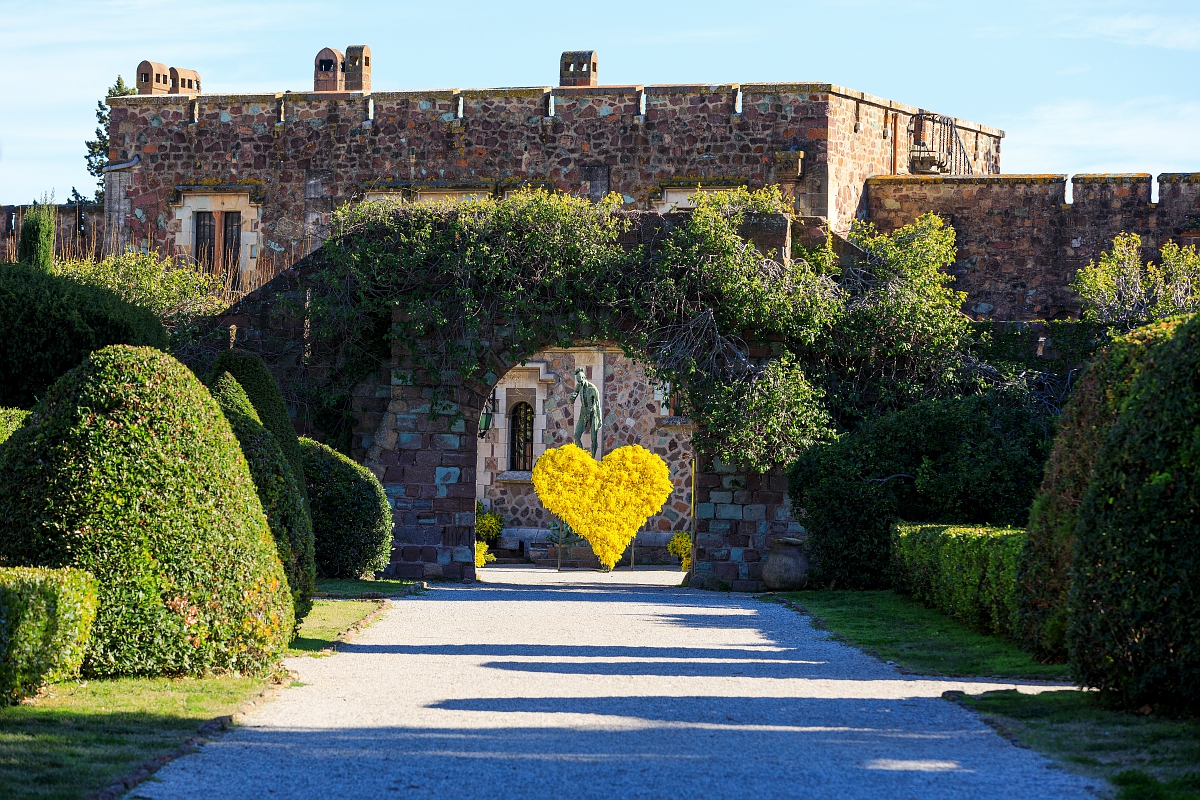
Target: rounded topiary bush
x=1134 y=603
x=958 y=460
x=128 y=469
x=277 y=491
x=249 y=370
x=49 y=323
x=352 y=523
x=1091 y=411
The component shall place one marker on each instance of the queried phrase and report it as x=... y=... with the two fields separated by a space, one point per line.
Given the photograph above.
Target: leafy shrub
x=352 y=523
x=1134 y=604
x=488 y=524
x=1087 y=418
x=128 y=469
x=46 y=617
x=36 y=247
x=482 y=556
x=969 y=573
x=260 y=386
x=277 y=491
x=899 y=337
x=49 y=323
x=1123 y=292
x=680 y=546
x=10 y=420
x=177 y=291
x=959 y=460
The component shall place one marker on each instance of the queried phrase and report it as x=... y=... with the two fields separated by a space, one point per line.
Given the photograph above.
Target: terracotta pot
x=786 y=567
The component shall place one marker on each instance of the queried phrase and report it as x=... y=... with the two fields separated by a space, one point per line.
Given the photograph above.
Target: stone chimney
x=578 y=68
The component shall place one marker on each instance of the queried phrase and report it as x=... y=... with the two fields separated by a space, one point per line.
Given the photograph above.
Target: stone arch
x=427 y=462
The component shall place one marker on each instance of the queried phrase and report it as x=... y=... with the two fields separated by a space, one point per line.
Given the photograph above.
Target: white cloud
x=1142 y=30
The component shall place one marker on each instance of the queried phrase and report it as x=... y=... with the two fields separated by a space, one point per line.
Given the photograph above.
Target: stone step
x=566 y=564
x=506 y=560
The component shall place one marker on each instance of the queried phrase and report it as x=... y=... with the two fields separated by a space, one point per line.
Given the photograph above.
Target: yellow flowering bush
x=482 y=556
x=606 y=502
x=680 y=546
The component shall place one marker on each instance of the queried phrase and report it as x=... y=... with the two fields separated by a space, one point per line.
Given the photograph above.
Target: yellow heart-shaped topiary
x=606 y=502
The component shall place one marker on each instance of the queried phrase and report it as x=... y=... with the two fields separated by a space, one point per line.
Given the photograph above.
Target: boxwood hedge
x=128 y=469
x=1134 y=603
x=352 y=522
x=49 y=323
x=277 y=491
x=259 y=384
x=964 y=460
x=1087 y=418
x=967 y=572
x=46 y=617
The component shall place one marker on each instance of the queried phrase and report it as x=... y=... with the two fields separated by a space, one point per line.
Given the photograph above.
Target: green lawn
x=1148 y=758
x=897 y=628
x=82 y=735
x=328 y=620
x=347 y=588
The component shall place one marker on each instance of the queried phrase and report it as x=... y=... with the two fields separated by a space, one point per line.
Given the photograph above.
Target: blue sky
x=1077 y=86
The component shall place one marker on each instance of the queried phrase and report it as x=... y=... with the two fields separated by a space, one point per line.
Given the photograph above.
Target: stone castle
x=234 y=180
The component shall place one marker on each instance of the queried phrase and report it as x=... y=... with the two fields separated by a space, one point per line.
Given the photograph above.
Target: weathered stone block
x=729 y=511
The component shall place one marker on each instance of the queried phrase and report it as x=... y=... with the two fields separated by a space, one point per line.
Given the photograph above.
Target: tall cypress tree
x=97 y=149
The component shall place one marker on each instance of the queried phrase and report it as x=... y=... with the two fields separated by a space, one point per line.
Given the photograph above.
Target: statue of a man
x=589 y=413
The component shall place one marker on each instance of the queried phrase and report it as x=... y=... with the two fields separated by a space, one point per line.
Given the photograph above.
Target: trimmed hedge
x=10 y=420
x=1134 y=604
x=259 y=384
x=969 y=573
x=46 y=617
x=277 y=491
x=129 y=470
x=48 y=324
x=961 y=460
x=352 y=522
x=1087 y=418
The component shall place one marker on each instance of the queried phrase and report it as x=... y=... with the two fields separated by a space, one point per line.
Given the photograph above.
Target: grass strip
x=349 y=588
x=328 y=621
x=897 y=628
x=1145 y=757
x=80 y=736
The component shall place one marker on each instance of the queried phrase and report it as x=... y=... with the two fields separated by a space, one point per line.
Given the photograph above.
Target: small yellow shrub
x=680 y=546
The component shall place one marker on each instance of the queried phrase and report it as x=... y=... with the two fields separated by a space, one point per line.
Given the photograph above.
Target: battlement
x=1020 y=243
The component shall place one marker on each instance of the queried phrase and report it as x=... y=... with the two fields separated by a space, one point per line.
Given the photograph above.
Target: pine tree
x=97 y=149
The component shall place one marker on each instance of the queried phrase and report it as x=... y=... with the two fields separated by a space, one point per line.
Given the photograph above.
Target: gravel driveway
x=579 y=684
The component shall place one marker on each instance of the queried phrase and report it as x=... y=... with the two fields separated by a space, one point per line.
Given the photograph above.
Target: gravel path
x=579 y=684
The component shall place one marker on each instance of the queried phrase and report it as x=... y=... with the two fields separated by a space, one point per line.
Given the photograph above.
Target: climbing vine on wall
x=467 y=290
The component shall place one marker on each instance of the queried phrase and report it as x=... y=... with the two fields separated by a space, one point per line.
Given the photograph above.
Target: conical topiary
x=277 y=490
x=129 y=470
x=251 y=372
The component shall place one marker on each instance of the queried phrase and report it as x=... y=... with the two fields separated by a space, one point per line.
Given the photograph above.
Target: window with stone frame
x=520 y=437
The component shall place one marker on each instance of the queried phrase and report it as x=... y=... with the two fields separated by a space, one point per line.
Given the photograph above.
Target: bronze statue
x=589 y=420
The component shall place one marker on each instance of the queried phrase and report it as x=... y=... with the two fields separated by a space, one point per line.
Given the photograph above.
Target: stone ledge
x=515 y=476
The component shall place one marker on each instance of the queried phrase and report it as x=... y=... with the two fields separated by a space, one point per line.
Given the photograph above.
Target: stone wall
x=300 y=155
x=79 y=231
x=1020 y=244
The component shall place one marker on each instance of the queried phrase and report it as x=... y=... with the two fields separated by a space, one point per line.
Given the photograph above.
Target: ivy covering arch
x=463 y=292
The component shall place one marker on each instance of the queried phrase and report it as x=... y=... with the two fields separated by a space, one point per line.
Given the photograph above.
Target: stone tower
x=329 y=71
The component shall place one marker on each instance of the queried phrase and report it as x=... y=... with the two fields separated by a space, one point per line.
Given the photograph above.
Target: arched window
x=520 y=437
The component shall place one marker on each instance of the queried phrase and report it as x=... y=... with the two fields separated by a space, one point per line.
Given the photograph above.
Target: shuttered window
x=232 y=239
